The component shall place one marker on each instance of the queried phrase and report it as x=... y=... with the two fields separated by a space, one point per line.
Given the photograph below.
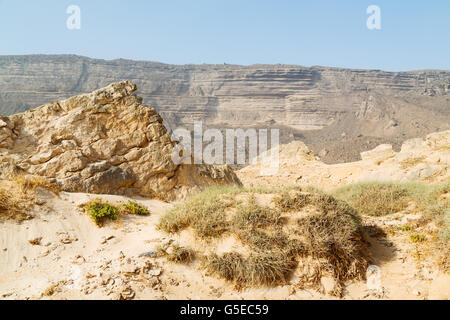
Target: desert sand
x=74 y=259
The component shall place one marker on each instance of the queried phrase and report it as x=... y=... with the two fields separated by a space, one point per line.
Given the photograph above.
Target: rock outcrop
x=105 y=142
x=425 y=160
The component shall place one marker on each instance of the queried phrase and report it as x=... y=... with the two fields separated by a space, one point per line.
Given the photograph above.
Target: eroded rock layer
x=337 y=112
x=105 y=142
x=426 y=160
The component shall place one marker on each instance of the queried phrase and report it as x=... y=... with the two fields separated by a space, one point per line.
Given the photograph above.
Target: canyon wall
x=346 y=103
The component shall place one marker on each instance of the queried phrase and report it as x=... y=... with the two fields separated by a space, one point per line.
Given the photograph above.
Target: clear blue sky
x=414 y=34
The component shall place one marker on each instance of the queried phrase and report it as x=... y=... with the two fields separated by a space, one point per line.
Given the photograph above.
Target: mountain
x=338 y=113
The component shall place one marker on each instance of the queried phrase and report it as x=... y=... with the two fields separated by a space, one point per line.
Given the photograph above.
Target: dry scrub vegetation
x=382 y=198
x=176 y=253
x=308 y=233
x=19 y=195
x=301 y=233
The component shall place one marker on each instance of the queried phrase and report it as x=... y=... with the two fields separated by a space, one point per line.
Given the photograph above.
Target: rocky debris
x=35 y=241
x=121 y=278
x=105 y=142
x=105 y=239
x=148 y=254
x=380 y=153
x=65 y=238
x=126 y=294
x=425 y=159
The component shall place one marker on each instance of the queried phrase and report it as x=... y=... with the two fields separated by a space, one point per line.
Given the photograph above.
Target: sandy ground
x=75 y=259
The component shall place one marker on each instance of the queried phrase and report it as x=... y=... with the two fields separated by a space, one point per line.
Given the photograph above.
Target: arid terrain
x=92 y=207
x=338 y=113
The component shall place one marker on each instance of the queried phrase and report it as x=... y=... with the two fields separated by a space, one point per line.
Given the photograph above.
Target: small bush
x=252 y=215
x=287 y=202
x=377 y=198
x=417 y=238
x=261 y=269
x=204 y=212
x=178 y=254
x=100 y=211
x=27 y=183
x=134 y=208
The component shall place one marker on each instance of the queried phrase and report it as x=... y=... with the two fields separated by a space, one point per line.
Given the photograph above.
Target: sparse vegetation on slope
x=178 y=254
x=29 y=184
x=100 y=211
x=134 y=208
x=19 y=195
x=325 y=239
x=382 y=198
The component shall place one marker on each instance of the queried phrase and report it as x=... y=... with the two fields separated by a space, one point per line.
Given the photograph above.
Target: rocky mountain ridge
x=328 y=108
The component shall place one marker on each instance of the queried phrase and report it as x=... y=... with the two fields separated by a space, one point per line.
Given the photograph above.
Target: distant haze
x=414 y=34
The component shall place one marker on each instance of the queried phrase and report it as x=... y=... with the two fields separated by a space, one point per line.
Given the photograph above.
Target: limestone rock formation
x=418 y=160
x=105 y=142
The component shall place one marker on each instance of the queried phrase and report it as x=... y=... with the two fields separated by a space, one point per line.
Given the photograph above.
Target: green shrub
x=417 y=238
x=99 y=211
x=134 y=208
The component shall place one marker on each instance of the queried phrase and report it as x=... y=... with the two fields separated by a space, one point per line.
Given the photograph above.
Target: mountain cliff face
x=330 y=109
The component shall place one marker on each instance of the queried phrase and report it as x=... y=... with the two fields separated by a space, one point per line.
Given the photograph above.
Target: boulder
x=105 y=142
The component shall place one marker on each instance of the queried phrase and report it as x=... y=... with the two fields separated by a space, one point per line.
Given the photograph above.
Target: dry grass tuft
x=258 y=269
x=29 y=184
x=288 y=201
x=382 y=198
x=326 y=239
x=178 y=254
x=12 y=207
x=252 y=215
x=204 y=212
x=19 y=195
x=376 y=198
x=334 y=237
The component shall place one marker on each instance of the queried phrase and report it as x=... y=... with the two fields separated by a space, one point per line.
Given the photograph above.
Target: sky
x=413 y=35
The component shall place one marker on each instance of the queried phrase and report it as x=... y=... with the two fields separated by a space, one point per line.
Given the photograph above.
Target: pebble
x=155 y=272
